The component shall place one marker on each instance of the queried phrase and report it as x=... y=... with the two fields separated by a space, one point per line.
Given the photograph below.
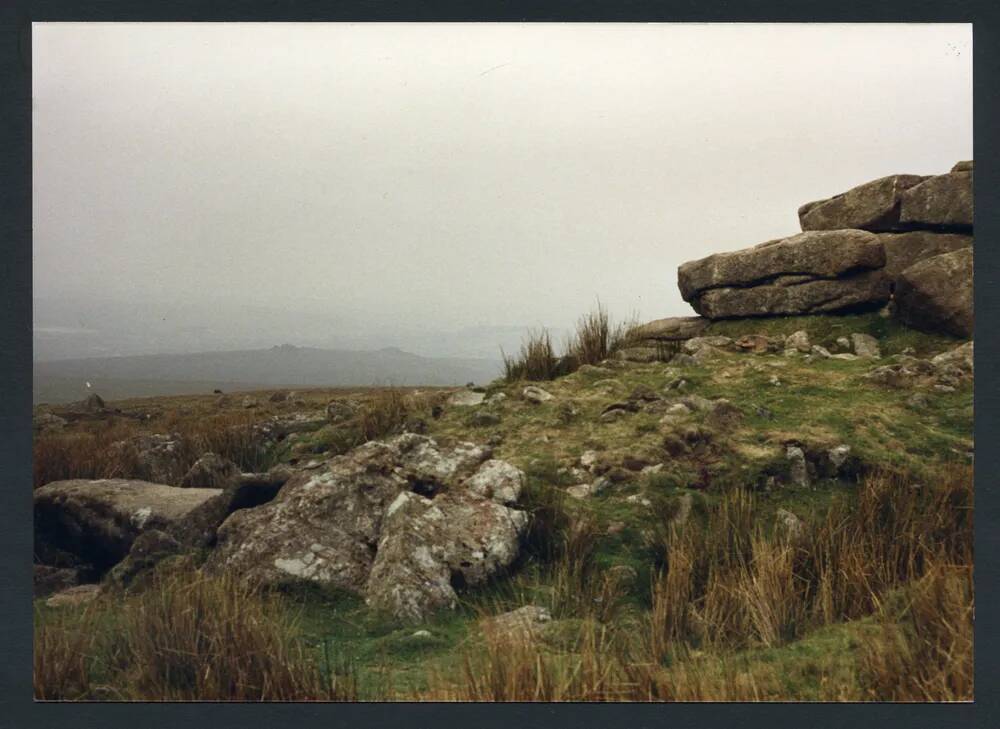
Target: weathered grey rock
x=93 y=404
x=279 y=396
x=942 y=200
x=963 y=166
x=799 y=341
x=671 y=329
x=250 y=402
x=961 y=356
x=427 y=548
x=783 y=262
x=497 y=480
x=211 y=471
x=798 y=472
x=936 y=294
x=523 y=624
x=99 y=520
x=159 y=457
x=759 y=343
x=148 y=549
x=535 y=394
x=199 y=528
x=782 y=297
x=838 y=456
x=865 y=346
x=74 y=596
x=466 y=398
x=821 y=352
x=902 y=250
x=397 y=521
x=695 y=344
x=790 y=523
x=340 y=411
x=874 y=205
x=644 y=355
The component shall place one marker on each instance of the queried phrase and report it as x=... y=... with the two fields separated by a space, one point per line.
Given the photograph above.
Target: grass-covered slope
x=679 y=577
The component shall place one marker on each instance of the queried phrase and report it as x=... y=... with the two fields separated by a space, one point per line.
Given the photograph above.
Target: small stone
x=535 y=394
x=790 y=522
x=865 y=346
x=421 y=634
x=844 y=343
x=466 y=398
x=774 y=381
x=79 y=595
x=798 y=341
x=821 y=351
x=798 y=472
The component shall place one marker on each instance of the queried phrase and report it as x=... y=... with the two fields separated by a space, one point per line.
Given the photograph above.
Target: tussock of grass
x=186 y=637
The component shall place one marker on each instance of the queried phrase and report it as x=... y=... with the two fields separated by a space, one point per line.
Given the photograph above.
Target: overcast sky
x=456 y=174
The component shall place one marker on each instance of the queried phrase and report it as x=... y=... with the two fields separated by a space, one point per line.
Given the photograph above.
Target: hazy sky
x=460 y=174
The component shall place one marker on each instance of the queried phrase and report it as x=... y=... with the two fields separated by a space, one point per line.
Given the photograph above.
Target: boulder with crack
x=812 y=272
x=402 y=522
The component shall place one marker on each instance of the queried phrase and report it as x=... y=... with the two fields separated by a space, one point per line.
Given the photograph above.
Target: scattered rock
x=497 y=480
x=798 y=341
x=250 y=402
x=798 y=472
x=466 y=398
x=758 y=343
x=844 y=343
x=846 y=356
x=484 y=419
x=211 y=471
x=279 y=396
x=524 y=624
x=147 y=550
x=74 y=596
x=865 y=346
x=535 y=394
x=821 y=352
x=44 y=421
x=340 y=411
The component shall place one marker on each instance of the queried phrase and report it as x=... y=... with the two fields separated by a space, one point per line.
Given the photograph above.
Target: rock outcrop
x=855 y=250
x=403 y=522
x=872 y=206
x=941 y=201
x=805 y=273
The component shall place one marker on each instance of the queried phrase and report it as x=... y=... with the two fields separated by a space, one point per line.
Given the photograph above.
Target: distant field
x=115 y=378
x=61 y=390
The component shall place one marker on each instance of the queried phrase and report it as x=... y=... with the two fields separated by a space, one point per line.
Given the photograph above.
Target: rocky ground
x=408 y=530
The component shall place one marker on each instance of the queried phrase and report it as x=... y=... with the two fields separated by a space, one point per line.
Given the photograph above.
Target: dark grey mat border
x=16 y=708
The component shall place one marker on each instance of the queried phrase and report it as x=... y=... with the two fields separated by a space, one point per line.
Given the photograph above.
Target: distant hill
x=282 y=366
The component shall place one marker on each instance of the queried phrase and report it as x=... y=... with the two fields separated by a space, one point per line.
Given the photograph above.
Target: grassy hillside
x=869 y=597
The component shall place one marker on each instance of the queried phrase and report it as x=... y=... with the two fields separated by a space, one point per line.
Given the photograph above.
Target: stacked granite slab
x=904 y=237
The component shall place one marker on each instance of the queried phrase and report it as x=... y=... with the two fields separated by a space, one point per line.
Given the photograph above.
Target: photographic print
x=502 y=362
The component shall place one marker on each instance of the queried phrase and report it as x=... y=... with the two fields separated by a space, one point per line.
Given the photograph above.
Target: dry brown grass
x=187 y=637
x=597 y=338
x=536 y=360
x=925 y=650
x=729 y=585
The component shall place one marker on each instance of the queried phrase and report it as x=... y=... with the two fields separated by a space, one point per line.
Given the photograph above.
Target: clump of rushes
x=596 y=338
x=536 y=360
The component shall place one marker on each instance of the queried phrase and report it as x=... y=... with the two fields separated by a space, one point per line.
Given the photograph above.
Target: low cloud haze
x=439 y=187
